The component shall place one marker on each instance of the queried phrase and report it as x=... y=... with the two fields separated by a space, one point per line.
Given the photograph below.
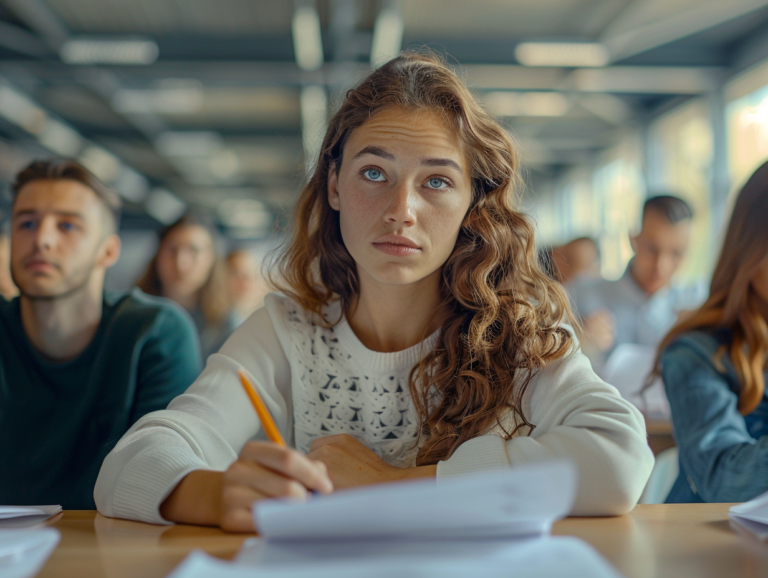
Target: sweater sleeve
x=204 y=428
x=579 y=417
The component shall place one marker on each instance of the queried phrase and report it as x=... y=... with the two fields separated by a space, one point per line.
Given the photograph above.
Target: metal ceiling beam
x=612 y=79
x=624 y=39
x=21 y=41
x=40 y=18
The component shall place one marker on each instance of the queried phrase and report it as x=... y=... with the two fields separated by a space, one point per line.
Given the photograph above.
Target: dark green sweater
x=58 y=421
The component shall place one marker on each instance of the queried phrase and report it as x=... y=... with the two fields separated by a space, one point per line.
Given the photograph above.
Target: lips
x=396 y=245
x=38 y=264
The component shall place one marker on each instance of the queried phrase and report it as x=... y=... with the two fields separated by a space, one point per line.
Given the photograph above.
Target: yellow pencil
x=261 y=410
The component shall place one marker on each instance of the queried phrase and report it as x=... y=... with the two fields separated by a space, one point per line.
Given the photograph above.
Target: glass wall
x=681 y=154
x=747 y=127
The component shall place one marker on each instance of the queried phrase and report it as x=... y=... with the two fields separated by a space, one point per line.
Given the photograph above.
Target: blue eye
x=27 y=225
x=67 y=226
x=373 y=175
x=436 y=183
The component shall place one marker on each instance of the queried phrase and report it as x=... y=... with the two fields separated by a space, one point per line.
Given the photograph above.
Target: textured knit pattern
x=317 y=381
x=333 y=394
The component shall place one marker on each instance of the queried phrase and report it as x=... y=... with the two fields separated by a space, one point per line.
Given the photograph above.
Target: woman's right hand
x=263 y=470
x=266 y=470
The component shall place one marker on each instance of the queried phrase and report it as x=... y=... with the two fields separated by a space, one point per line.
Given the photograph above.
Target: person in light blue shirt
x=643 y=305
x=714 y=367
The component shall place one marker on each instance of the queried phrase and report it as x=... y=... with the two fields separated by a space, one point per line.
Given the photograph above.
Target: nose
x=401 y=206
x=183 y=260
x=46 y=234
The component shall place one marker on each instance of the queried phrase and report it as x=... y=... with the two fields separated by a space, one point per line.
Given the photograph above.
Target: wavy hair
x=501 y=314
x=733 y=302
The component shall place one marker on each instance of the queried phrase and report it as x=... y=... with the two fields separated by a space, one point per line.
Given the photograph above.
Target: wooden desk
x=653 y=541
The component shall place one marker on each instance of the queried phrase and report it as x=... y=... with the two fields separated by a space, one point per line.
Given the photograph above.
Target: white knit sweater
x=318 y=381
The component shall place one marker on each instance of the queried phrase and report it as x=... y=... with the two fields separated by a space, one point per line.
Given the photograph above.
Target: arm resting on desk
x=580 y=418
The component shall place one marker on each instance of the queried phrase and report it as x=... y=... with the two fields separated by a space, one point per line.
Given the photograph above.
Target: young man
x=642 y=305
x=77 y=367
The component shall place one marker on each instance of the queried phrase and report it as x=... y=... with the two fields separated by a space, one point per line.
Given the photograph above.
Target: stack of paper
x=23 y=554
x=752 y=516
x=24 y=516
x=480 y=524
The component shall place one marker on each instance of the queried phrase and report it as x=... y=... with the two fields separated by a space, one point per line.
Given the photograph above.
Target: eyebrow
x=30 y=212
x=380 y=152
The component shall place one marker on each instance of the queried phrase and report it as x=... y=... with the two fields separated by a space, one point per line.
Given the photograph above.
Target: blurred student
x=188 y=269
x=7 y=289
x=714 y=366
x=576 y=260
x=642 y=305
x=416 y=336
x=77 y=366
x=247 y=288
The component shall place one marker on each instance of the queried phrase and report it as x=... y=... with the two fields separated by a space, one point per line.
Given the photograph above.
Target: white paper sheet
x=752 y=516
x=539 y=557
x=23 y=553
x=509 y=502
x=25 y=516
x=627 y=368
x=22 y=511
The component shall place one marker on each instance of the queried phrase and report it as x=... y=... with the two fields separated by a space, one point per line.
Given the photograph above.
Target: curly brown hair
x=502 y=315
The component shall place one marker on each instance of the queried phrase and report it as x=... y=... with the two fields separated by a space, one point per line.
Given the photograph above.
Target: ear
x=109 y=252
x=333 y=191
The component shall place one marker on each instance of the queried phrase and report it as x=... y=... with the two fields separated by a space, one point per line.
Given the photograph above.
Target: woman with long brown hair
x=714 y=366
x=189 y=269
x=416 y=335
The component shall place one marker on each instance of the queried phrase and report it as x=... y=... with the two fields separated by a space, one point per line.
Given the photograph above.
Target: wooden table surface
x=690 y=540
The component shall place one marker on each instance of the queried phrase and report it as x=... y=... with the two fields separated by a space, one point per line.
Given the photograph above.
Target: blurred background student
x=576 y=260
x=188 y=268
x=7 y=289
x=714 y=366
x=643 y=304
x=247 y=287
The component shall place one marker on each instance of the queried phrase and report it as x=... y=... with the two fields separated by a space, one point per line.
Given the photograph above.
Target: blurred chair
x=663 y=476
x=627 y=369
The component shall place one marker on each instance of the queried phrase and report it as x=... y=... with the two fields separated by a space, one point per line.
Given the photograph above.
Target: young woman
x=417 y=336
x=714 y=365
x=189 y=270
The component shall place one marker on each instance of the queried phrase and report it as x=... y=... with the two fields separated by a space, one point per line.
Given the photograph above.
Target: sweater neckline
x=395 y=363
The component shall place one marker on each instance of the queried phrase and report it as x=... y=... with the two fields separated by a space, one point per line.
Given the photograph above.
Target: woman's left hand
x=351 y=464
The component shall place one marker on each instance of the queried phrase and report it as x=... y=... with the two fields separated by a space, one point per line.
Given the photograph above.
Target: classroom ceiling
x=216 y=117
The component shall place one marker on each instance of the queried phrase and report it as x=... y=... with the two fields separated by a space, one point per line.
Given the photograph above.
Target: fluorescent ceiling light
x=193 y=144
x=101 y=163
x=59 y=138
x=164 y=206
x=387 y=36
x=571 y=54
x=307 y=39
x=92 y=51
x=173 y=96
x=21 y=111
x=527 y=103
x=131 y=185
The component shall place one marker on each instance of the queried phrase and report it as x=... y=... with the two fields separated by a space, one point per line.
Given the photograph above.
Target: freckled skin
x=427 y=204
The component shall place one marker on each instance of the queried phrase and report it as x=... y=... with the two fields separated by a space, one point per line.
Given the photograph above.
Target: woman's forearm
x=196 y=499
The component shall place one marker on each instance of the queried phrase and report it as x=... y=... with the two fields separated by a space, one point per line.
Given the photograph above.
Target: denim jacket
x=723 y=455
